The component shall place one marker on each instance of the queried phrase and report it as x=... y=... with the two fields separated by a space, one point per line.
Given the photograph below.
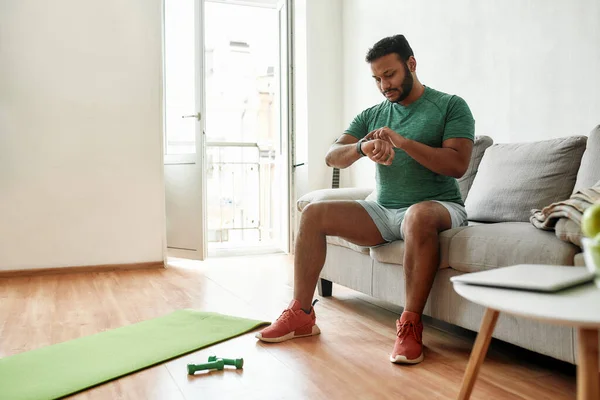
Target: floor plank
x=348 y=360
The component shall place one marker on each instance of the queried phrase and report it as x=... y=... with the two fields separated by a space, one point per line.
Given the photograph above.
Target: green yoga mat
x=65 y=368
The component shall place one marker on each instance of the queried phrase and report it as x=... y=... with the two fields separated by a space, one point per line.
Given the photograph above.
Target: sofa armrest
x=332 y=194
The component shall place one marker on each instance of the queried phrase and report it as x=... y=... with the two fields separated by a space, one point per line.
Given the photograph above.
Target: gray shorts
x=389 y=221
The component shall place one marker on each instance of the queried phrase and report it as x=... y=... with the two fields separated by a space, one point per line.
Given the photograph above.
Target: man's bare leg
x=422 y=224
x=347 y=219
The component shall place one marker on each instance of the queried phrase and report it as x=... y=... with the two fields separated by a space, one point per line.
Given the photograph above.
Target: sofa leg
x=324 y=287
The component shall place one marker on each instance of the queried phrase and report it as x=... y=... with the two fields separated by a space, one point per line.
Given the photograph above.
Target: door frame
x=288 y=121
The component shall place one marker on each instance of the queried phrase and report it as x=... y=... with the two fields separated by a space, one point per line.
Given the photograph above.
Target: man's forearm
x=342 y=155
x=441 y=160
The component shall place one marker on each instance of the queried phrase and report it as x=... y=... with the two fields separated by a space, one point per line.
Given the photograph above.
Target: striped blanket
x=565 y=216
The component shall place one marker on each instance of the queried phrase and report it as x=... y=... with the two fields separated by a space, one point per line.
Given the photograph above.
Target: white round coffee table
x=578 y=307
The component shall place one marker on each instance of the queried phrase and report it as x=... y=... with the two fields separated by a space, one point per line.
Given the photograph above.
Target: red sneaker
x=408 y=348
x=292 y=323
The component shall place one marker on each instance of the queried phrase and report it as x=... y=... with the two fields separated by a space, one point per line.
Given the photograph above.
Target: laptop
x=535 y=277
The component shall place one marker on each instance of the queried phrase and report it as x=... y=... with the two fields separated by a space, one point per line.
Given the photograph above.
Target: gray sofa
x=503 y=184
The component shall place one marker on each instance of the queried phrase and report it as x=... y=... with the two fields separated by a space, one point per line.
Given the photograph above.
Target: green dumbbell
x=215 y=364
x=238 y=362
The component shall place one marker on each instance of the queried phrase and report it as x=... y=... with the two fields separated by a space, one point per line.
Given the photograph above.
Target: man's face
x=393 y=77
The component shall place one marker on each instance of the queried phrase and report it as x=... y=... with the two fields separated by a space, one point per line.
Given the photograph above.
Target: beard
x=405 y=87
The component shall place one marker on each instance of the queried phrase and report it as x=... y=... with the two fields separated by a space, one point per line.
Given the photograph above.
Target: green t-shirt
x=431 y=119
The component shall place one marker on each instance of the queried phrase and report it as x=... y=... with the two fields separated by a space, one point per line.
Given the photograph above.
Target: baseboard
x=90 y=268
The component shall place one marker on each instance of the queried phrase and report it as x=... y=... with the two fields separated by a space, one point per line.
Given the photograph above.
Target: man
x=421 y=140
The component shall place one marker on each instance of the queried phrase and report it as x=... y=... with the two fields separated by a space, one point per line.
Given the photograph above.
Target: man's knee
x=425 y=218
x=313 y=213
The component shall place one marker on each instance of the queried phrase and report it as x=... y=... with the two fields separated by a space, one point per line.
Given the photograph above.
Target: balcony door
x=227 y=137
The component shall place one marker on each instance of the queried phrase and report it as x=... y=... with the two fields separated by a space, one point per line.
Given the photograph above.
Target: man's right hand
x=380 y=151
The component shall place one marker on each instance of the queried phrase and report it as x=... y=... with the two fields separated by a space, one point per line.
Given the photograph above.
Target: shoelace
x=285 y=316
x=288 y=313
x=407 y=328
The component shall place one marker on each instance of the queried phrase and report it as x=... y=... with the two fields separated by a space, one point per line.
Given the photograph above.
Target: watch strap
x=358 y=147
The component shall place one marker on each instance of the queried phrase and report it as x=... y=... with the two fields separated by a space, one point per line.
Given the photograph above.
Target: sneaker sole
x=291 y=335
x=403 y=360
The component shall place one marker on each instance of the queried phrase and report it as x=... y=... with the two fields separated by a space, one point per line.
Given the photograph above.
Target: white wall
x=81 y=175
x=318 y=89
x=528 y=69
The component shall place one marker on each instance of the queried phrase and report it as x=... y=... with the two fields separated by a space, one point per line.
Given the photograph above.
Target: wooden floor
x=349 y=360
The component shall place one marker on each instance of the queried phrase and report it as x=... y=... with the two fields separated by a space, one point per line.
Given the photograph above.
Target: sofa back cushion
x=514 y=178
x=479 y=147
x=589 y=171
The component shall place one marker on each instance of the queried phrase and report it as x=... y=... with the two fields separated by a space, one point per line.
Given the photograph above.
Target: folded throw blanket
x=568 y=231
x=572 y=209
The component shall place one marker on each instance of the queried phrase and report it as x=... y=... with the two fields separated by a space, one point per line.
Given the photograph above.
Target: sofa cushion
x=514 y=178
x=589 y=171
x=332 y=194
x=489 y=246
x=338 y=241
x=479 y=147
x=393 y=253
x=579 y=261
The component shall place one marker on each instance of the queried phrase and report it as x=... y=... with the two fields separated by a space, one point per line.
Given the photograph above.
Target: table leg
x=480 y=348
x=588 y=386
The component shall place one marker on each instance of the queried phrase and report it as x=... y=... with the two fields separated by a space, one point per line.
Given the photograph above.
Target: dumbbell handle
x=238 y=362
x=216 y=364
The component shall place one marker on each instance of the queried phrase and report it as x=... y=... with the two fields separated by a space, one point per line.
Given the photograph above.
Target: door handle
x=198 y=116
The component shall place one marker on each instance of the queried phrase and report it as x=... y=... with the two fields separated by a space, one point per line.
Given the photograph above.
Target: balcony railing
x=240 y=192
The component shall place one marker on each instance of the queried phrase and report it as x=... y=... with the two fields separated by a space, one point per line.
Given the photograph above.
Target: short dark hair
x=391 y=44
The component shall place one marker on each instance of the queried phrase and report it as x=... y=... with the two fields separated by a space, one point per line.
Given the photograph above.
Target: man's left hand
x=388 y=135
